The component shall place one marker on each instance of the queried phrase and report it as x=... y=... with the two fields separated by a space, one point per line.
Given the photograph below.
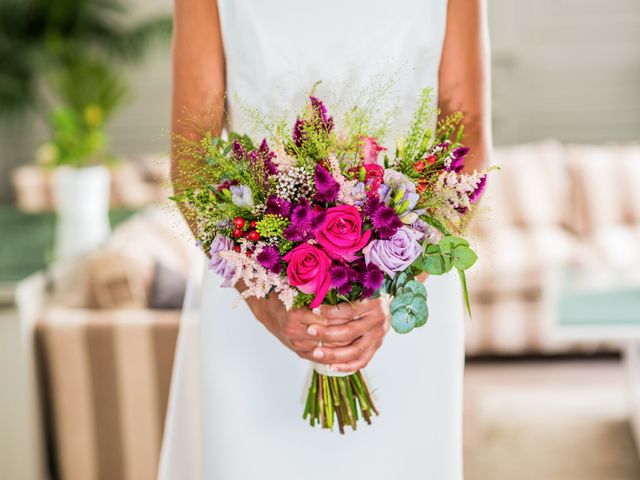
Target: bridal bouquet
x=321 y=214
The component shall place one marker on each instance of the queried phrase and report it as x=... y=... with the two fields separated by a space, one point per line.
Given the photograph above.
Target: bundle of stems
x=345 y=399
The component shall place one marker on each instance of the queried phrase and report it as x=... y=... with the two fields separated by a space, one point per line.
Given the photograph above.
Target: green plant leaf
x=449 y=243
x=416 y=289
x=438 y=264
x=420 y=311
x=401 y=302
x=464 y=257
x=465 y=291
x=402 y=321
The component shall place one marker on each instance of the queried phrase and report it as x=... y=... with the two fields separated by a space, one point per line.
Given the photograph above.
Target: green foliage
x=409 y=307
x=421 y=134
x=302 y=300
x=450 y=252
x=272 y=226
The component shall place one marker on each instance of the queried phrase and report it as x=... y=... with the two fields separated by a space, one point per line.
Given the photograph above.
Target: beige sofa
x=549 y=207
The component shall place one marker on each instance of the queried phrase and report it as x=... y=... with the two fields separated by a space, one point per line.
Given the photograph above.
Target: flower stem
x=345 y=399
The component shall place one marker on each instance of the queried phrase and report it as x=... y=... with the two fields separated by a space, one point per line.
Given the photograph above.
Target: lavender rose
x=218 y=264
x=396 y=254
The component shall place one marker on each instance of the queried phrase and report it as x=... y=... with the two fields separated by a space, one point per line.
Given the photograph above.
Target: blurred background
x=89 y=316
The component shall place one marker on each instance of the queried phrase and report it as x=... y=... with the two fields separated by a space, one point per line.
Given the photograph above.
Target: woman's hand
x=343 y=336
x=349 y=334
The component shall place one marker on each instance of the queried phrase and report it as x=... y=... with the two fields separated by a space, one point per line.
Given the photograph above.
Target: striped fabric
x=547 y=208
x=106 y=377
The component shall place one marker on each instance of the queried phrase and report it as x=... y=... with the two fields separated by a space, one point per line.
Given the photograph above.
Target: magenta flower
x=341 y=233
x=372 y=281
x=458 y=155
x=278 y=206
x=269 y=258
x=308 y=270
x=384 y=219
x=305 y=220
x=319 y=121
x=477 y=193
x=369 y=150
x=327 y=188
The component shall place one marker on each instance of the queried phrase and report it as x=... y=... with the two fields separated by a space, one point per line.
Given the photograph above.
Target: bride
x=238 y=387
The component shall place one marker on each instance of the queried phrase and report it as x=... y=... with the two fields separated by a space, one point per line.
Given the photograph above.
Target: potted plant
x=61 y=59
x=90 y=92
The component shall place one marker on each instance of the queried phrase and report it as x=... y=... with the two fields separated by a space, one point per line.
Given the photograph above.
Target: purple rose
x=218 y=264
x=396 y=254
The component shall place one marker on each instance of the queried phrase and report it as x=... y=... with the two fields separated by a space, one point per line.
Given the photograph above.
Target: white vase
x=81 y=198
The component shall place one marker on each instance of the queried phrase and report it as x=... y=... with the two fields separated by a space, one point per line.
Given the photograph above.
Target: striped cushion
x=606 y=183
x=531 y=189
x=513 y=259
x=107 y=376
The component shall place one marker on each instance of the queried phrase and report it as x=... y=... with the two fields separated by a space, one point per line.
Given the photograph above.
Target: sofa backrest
x=530 y=190
x=606 y=186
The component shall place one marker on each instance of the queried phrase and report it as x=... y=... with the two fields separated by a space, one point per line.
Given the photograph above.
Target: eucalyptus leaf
x=416 y=288
x=402 y=321
x=449 y=243
x=420 y=312
x=401 y=302
x=464 y=257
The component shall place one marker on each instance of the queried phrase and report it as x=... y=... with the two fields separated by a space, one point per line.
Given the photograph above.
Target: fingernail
x=312 y=331
x=316 y=310
x=317 y=353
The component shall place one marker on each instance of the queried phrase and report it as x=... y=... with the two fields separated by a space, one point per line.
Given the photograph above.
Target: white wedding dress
x=237 y=394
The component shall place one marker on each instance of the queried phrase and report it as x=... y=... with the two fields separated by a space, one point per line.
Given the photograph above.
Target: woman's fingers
x=342 y=334
x=341 y=354
x=357 y=364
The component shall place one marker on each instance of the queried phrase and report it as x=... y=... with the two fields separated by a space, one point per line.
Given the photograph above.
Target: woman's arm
x=464 y=83
x=198 y=75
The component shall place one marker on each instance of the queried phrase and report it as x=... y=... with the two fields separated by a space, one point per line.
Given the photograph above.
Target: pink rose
x=341 y=233
x=369 y=150
x=308 y=269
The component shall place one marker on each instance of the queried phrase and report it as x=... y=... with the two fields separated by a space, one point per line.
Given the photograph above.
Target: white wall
x=568 y=69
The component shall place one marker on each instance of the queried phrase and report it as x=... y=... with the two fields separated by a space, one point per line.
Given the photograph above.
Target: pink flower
x=341 y=233
x=308 y=269
x=369 y=150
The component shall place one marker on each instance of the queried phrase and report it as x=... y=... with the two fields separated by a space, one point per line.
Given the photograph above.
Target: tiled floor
x=559 y=420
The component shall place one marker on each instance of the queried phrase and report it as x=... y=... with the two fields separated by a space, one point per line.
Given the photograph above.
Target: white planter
x=81 y=197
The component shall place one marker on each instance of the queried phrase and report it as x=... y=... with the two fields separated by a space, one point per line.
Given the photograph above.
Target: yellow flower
x=93 y=115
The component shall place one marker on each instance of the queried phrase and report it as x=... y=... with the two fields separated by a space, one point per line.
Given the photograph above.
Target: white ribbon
x=324 y=369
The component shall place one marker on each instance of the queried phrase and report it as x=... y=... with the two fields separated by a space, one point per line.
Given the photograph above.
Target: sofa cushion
x=512 y=259
x=606 y=186
x=531 y=188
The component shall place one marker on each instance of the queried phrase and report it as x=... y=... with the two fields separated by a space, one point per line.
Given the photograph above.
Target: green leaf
x=449 y=243
x=437 y=224
x=402 y=321
x=464 y=257
x=401 y=302
x=416 y=289
x=465 y=291
x=438 y=264
x=420 y=312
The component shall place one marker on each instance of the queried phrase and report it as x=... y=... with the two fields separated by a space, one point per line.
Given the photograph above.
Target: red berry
x=239 y=222
x=253 y=236
x=252 y=224
x=421 y=187
x=236 y=248
x=237 y=233
x=419 y=166
x=431 y=159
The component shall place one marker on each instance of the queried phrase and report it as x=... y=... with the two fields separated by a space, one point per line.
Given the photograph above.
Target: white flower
x=241 y=196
